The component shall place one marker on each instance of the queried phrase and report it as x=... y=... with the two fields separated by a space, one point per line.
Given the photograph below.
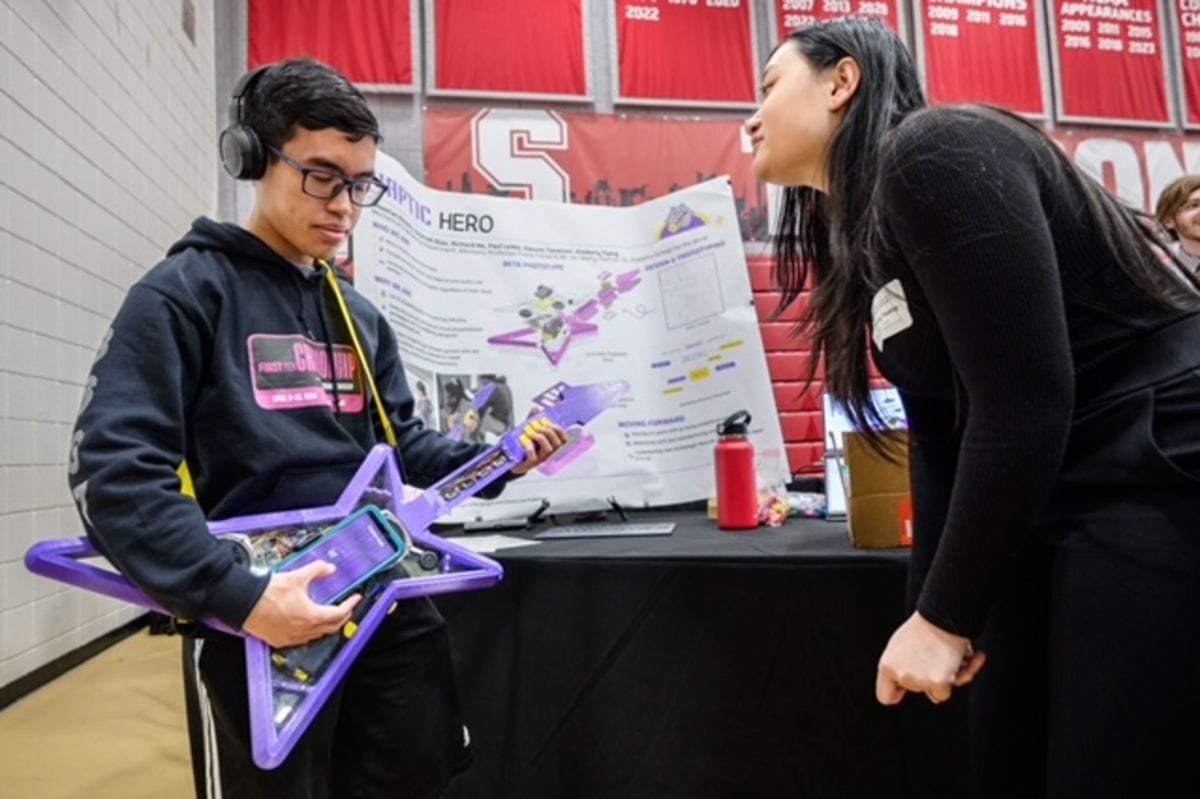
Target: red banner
x=599 y=159
x=984 y=53
x=370 y=42
x=698 y=52
x=518 y=47
x=1187 y=22
x=792 y=15
x=1110 y=62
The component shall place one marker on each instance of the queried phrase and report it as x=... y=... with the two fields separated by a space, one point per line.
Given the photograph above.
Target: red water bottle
x=737 y=488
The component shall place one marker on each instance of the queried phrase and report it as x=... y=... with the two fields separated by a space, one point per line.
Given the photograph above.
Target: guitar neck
x=578 y=406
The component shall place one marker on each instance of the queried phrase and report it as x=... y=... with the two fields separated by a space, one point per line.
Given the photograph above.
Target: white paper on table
x=487 y=544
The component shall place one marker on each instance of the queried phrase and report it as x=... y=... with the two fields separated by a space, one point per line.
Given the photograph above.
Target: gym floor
x=111 y=728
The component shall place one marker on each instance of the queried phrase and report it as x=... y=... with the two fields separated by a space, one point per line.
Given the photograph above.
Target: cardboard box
x=879 y=504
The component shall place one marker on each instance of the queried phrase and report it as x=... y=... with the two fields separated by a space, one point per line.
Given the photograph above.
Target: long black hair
x=833 y=238
x=825 y=233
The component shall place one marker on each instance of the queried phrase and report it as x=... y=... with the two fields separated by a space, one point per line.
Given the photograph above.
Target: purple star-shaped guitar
x=287 y=688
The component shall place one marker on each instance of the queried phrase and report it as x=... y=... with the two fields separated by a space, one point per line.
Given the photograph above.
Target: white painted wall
x=107 y=152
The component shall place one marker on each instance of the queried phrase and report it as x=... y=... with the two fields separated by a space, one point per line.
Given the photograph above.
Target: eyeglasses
x=324 y=184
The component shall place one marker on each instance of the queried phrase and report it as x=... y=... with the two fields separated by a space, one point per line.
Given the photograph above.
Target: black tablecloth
x=700 y=664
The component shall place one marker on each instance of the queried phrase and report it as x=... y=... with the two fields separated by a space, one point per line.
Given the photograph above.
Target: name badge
x=889 y=313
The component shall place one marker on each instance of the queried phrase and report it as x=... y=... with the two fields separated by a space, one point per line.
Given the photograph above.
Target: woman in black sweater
x=1050 y=371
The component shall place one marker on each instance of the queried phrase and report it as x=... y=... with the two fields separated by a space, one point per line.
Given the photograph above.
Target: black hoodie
x=221 y=355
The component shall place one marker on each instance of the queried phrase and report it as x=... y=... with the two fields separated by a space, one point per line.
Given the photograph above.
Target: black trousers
x=1090 y=688
x=393 y=729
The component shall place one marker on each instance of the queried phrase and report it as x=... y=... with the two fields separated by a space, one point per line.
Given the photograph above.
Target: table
x=701 y=664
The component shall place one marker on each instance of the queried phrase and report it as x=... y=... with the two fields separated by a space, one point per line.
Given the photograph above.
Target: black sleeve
x=961 y=195
x=426 y=456
x=128 y=444
x=933 y=443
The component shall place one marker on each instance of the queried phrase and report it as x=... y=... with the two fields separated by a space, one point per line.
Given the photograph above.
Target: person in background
x=1050 y=373
x=455 y=402
x=232 y=356
x=497 y=411
x=1178 y=211
x=424 y=407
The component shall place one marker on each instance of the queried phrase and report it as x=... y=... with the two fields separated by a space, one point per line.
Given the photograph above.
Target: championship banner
x=686 y=52
x=368 y=41
x=1110 y=62
x=983 y=52
x=1187 y=22
x=592 y=159
x=792 y=15
x=499 y=304
x=518 y=48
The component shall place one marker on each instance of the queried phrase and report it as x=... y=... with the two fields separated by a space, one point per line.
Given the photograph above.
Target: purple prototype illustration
x=551 y=322
x=371 y=526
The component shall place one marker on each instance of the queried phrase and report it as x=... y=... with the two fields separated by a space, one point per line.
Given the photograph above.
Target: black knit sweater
x=1012 y=291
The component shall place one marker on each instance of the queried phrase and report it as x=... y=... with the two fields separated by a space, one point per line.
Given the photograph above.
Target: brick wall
x=787 y=362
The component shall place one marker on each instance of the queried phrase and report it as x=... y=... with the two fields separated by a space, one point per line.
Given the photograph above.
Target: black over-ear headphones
x=242 y=152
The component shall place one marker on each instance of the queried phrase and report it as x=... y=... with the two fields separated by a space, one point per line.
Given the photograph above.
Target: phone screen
x=358 y=548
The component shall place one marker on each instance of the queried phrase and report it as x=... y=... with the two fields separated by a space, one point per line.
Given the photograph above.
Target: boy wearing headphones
x=231 y=355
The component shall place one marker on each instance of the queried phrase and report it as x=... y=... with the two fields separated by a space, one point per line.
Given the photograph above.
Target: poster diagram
x=551 y=320
x=691 y=291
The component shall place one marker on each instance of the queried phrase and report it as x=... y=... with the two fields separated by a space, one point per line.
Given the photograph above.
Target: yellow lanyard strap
x=362 y=358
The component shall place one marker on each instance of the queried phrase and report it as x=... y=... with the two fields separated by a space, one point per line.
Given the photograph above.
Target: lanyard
x=362 y=358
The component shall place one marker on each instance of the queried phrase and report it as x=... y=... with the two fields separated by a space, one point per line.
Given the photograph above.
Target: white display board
x=495 y=301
